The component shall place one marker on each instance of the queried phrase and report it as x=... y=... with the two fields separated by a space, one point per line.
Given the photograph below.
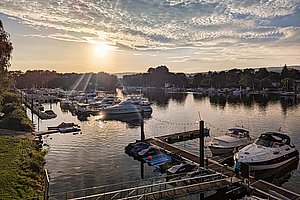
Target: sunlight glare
x=101 y=49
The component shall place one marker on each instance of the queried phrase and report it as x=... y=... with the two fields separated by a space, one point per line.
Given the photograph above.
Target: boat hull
x=219 y=151
x=223 y=150
x=273 y=163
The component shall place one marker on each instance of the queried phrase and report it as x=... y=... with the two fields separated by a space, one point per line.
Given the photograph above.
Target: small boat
x=62 y=125
x=65 y=103
x=38 y=106
x=134 y=148
x=48 y=114
x=83 y=109
x=150 y=151
x=182 y=168
x=69 y=129
x=157 y=159
x=234 y=139
x=270 y=150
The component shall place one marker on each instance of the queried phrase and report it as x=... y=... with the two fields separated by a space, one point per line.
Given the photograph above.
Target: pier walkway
x=159 y=189
x=156 y=189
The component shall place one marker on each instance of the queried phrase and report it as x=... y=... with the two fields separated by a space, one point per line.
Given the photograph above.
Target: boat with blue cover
x=157 y=159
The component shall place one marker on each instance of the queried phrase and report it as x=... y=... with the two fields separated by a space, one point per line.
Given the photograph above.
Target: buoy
x=149 y=157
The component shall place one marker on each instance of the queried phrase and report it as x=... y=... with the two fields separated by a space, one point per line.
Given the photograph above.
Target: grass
x=21 y=168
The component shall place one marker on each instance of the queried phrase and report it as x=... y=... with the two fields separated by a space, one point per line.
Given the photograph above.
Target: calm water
x=96 y=157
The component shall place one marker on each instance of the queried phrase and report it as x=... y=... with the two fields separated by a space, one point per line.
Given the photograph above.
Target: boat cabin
x=275 y=140
x=238 y=132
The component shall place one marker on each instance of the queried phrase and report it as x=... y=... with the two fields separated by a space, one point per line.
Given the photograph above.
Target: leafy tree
x=5 y=55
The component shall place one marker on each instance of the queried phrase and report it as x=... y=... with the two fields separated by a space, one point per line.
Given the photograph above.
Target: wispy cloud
x=161 y=25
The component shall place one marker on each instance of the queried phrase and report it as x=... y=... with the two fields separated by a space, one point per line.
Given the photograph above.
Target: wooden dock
x=183 y=136
x=177 y=188
x=259 y=187
x=40 y=133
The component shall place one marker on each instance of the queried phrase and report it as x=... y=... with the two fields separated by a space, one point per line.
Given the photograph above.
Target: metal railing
x=140 y=191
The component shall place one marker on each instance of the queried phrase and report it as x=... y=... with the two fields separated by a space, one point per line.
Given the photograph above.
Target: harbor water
x=96 y=155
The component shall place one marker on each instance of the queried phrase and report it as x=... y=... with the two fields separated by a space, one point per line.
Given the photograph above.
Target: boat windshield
x=267 y=143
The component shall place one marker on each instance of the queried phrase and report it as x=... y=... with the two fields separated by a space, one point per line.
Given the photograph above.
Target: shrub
x=10 y=107
x=17 y=120
x=9 y=97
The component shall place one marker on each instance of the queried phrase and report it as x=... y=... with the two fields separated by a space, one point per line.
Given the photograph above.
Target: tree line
x=67 y=81
x=258 y=79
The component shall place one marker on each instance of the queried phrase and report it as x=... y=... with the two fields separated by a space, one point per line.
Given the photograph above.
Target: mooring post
x=32 y=110
x=201 y=143
x=142 y=126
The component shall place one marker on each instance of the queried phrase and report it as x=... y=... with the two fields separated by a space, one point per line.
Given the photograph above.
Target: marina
x=178 y=143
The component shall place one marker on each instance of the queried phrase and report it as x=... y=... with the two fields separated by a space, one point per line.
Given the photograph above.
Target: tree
x=5 y=56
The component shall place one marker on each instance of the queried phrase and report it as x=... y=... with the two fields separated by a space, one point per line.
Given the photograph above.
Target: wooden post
x=201 y=143
x=32 y=110
x=142 y=126
x=46 y=185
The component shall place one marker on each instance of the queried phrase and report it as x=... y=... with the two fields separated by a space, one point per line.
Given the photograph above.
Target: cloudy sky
x=133 y=35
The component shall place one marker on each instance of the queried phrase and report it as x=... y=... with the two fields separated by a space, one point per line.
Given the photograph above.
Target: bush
x=10 y=107
x=17 y=120
x=9 y=97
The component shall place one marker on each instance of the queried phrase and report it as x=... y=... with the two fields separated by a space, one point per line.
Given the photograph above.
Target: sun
x=101 y=49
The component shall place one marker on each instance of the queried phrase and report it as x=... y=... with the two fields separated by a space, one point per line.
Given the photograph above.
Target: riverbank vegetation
x=21 y=160
x=15 y=117
x=21 y=168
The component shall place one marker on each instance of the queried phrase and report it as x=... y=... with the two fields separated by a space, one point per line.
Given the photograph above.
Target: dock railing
x=154 y=187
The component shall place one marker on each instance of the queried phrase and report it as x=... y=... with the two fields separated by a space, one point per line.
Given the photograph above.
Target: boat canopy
x=239 y=130
x=275 y=137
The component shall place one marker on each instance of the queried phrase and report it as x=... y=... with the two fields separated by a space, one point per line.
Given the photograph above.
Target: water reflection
x=280 y=175
x=133 y=119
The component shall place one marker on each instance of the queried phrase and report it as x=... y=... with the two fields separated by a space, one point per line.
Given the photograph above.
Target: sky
x=118 y=36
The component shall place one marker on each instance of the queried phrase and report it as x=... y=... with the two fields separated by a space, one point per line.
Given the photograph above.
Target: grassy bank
x=21 y=168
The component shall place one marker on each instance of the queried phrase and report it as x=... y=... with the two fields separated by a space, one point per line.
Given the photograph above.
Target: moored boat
x=234 y=139
x=135 y=104
x=270 y=150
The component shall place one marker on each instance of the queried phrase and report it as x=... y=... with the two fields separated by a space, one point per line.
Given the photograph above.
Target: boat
x=83 y=109
x=135 y=104
x=62 y=125
x=234 y=139
x=65 y=103
x=157 y=159
x=109 y=100
x=68 y=129
x=38 y=106
x=181 y=168
x=48 y=114
x=150 y=151
x=270 y=150
x=134 y=148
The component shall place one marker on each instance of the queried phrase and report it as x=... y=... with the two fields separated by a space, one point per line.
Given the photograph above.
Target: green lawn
x=21 y=168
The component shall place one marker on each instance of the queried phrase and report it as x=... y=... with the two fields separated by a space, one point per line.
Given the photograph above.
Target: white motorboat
x=83 y=109
x=135 y=104
x=270 y=150
x=127 y=107
x=234 y=139
x=109 y=100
